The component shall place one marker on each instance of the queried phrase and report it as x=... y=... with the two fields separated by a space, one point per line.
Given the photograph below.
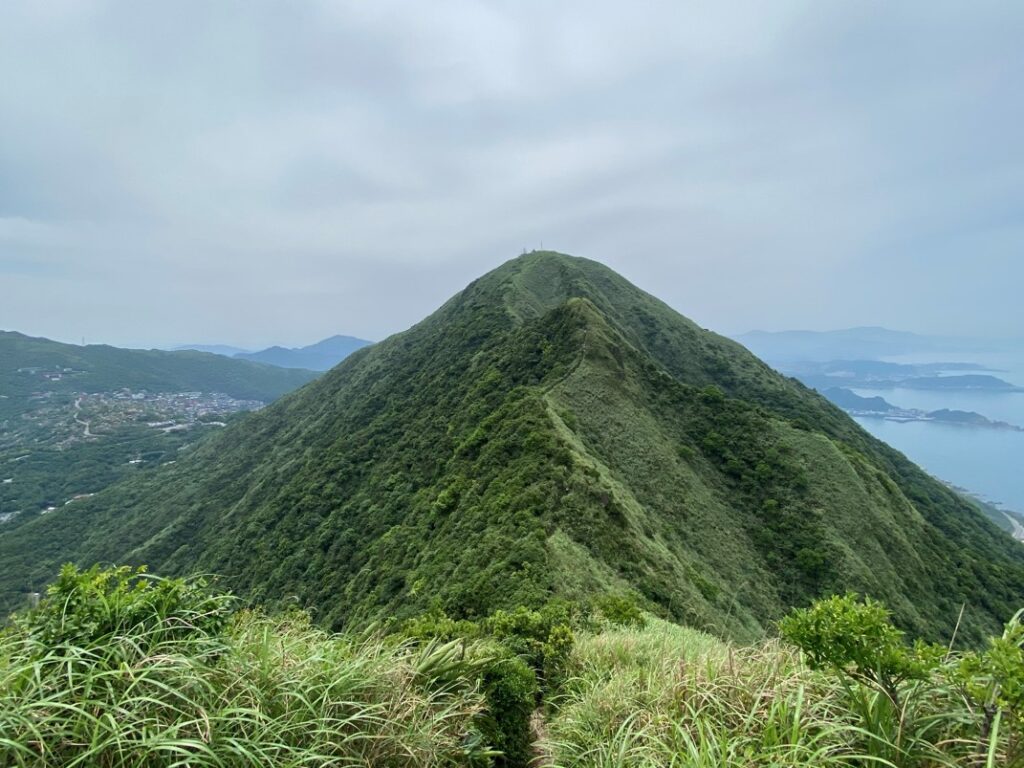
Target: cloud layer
x=258 y=172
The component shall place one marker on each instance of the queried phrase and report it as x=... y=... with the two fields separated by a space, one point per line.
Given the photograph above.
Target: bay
x=988 y=462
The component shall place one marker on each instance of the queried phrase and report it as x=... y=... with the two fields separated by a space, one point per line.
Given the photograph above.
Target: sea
x=987 y=462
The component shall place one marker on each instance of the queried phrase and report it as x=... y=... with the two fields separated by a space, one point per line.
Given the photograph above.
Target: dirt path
x=78 y=409
x=542 y=757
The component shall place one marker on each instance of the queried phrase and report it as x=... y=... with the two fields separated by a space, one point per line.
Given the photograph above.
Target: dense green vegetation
x=552 y=431
x=50 y=475
x=47 y=473
x=117 y=668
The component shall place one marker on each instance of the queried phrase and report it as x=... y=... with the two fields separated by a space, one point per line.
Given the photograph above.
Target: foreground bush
x=527 y=650
x=917 y=704
x=118 y=669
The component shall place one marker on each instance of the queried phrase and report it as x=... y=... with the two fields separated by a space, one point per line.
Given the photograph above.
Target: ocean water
x=988 y=462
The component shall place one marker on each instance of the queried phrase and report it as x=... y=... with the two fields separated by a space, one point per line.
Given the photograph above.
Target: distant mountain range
x=874 y=374
x=867 y=343
x=214 y=349
x=31 y=364
x=552 y=430
x=76 y=419
x=321 y=356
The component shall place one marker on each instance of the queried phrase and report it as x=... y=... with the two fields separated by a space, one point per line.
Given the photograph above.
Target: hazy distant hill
x=214 y=349
x=853 y=344
x=321 y=356
x=551 y=430
x=850 y=401
x=872 y=374
x=98 y=367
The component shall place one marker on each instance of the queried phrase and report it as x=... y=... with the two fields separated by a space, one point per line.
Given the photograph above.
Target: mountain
x=970 y=419
x=851 y=401
x=75 y=420
x=321 y=356
x=857 y=343
x=551 y=430
x=856 y=405
x=214 y=349
x=33 y=364
x=874 y=374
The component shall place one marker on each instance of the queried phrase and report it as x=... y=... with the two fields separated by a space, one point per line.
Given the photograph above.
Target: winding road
x=87 y=433
x=1018 y=529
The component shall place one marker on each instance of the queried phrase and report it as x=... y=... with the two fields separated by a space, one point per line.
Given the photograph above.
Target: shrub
x=857 y=638
x=510 y=691
x=525 y=653
x=620 y=610
x=85 y=608
x=993 y=680
x=917 y=705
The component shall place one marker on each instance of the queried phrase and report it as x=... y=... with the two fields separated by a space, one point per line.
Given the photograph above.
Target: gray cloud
x=258 y=172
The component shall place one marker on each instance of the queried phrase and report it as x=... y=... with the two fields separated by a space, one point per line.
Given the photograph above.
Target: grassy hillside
x=664 y=696
x=551 y=430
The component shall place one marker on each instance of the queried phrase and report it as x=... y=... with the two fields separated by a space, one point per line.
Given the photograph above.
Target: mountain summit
x=551 y=430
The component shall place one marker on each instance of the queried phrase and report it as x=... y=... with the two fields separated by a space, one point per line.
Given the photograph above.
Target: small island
x=879 y=407
x=876 y=374
x=962 y=383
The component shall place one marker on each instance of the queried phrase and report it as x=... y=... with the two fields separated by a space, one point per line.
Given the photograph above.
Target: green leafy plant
x=620 y=610
x=510 y=692
x=85 y=608
x=524 y=652
x=857 y=638
x=993 y=680
x=918 y=704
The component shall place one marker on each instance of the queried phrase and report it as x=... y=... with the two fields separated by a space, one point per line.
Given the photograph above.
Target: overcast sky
x=256 y=173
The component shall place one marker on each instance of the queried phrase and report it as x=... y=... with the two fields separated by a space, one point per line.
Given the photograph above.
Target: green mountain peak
x=552 y=430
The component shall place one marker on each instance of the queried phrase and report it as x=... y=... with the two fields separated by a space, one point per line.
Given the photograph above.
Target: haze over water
x=988 y=462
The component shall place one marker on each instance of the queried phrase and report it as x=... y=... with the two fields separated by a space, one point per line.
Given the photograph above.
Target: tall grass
x=670 y=696
x=667 y=696
x=260 y=692
x=117 y=669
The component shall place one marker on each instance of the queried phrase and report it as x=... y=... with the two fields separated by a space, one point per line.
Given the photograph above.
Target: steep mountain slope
x=551 y=430
x=321 y=356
